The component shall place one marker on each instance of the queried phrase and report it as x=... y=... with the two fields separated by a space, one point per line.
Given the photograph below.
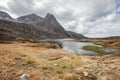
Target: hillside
x=21 y=31
x=75 y=35
x=32 y=27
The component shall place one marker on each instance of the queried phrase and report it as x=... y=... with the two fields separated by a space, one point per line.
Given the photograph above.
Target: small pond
x=76 y=47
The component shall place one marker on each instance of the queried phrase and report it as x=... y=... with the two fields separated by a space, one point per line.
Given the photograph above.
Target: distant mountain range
x=4 y=15
x=33 y=28
x=75 y=35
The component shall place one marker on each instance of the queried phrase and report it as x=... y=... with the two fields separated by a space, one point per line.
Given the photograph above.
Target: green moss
x=96 y=49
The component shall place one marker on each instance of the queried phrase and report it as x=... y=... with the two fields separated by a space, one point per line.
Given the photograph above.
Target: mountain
x=31 y=18
x=75 y=35
x=10 y=31
x=4 y=15
x=48 y=24
x=32 y=28
x=29 y=28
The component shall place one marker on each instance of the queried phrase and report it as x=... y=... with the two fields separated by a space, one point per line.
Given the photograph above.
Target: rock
x=25 y=76
x=79 y=78
x=85 y=73
x=55 y=65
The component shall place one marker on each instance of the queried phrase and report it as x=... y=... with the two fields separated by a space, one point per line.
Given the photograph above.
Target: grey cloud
x=66 y=16
x=3 y=8
x=82 y=16
x=21 y=7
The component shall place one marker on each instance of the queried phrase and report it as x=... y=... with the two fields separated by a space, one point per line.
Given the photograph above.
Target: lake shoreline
x=77 y=47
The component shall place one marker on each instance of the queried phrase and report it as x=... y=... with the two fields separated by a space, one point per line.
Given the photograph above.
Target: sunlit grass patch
x=68 y=64
x=96 y=49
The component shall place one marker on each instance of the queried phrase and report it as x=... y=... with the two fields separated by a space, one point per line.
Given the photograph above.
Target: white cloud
x=89 y=17
x=3 y=4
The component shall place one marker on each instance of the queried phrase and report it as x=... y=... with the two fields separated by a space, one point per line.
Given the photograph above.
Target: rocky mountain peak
x=29 y=18
x=4 y=15
x=50 y=17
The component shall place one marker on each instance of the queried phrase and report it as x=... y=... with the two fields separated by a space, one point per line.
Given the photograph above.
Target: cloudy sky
x=93 y=18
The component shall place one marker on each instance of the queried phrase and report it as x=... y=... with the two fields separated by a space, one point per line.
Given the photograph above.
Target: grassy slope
x=36 y=60
x=53 y=64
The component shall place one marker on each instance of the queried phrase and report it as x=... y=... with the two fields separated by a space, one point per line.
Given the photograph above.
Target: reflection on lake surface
x=74 y=47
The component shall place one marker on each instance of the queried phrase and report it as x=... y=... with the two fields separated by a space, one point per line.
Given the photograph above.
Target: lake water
x=74 y=47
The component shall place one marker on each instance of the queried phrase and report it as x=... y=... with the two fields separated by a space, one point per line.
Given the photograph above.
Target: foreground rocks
x=49 y=62
x=104 y=68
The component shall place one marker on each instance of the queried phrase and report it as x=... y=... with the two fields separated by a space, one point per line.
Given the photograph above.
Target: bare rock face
x=48 y=24
x=21 y=32
x=53 y=26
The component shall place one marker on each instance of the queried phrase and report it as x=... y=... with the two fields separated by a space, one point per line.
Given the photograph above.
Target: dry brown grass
x=52 y=64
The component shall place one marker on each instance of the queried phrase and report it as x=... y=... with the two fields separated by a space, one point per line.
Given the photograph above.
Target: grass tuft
x=31 y=62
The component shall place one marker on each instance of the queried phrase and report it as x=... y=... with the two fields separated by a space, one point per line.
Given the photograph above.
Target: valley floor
x=45 y=61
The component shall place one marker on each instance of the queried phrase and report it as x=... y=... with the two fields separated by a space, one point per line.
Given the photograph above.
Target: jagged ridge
x=32 y=27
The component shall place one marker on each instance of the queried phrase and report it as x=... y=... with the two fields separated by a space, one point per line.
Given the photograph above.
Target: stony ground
x=35 y=61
